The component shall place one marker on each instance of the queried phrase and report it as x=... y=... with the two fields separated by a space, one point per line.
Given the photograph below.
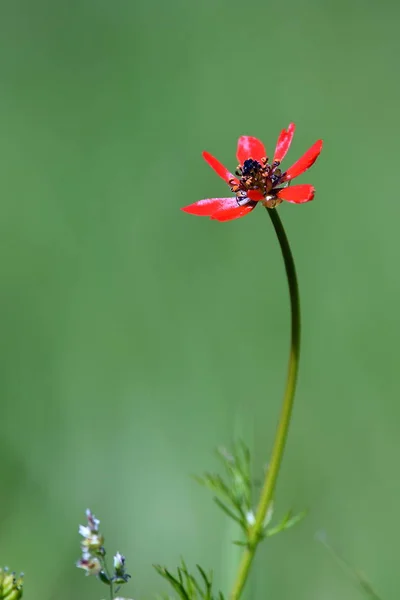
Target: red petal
x=232 y=211
x=297 y=193
x=250 y=147
x=283 y=143
x=255 y=195
x=304 y=162
x=221 y=209
x=207 y=207
x=219 y=168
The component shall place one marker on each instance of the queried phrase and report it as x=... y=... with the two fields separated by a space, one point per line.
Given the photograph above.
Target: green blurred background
x=135 y=338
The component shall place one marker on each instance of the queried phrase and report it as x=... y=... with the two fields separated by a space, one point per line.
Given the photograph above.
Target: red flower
x=257 y=180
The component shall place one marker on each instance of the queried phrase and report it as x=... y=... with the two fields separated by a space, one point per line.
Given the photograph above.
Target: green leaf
x=228 y=511
x=240 y=543
x=287 y=522
x=177 y=585
x=207 y=582
x=237 y=466
x=295 y=519
x=186 y=585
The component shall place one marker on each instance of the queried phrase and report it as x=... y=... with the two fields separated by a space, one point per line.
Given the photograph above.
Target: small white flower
x=92 y=521
x=92 y=542
x=119 y=561
x=85 y=554
x=91 y=565
x=84 y=531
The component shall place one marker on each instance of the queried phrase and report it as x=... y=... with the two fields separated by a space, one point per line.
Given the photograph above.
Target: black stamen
x=250 y=167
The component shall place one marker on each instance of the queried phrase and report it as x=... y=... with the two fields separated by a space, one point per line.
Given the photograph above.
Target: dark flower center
x=251 y=168
x=260 y=176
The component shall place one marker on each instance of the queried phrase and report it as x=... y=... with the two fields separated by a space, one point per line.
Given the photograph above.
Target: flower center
x=251 y=168
x=257 y=181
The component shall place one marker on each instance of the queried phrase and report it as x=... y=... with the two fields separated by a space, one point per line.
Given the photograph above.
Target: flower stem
x=107 y=572
x=272 y=473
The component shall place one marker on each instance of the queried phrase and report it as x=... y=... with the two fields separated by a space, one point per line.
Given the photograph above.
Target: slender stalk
x=107 y=572
x=272 y=473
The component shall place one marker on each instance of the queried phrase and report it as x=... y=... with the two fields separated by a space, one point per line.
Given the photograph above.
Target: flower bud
x=10 y=586
x=120 y=576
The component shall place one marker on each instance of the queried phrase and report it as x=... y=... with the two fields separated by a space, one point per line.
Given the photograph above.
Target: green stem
x=107 y=572
x=271 y=476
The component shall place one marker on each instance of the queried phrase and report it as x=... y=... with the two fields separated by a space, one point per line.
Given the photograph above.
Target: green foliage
x=288 y=521
x=235 y=495
x=187 y=586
